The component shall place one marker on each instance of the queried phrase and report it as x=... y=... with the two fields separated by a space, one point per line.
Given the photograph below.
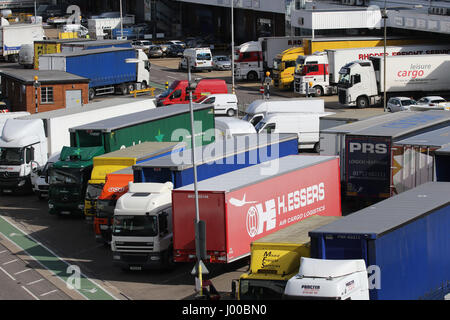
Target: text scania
x=257 y=217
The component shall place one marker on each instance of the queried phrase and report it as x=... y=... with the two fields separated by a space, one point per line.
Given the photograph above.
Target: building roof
x=390 y=214
x=436 y=138
x=26 y=76
x=94 y=43
x=238 y=179
x=86 y=52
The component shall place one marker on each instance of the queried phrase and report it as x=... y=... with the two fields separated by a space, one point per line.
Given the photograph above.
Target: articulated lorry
x=403 y=240
x=320 y=72
x=245 y=205
x=42 y=135
x=286 y=63
x=120 y=159
x=275 y=258
x=362 y=83
x=12 y=37
x=109 y=70
x=96 y=138
x=134 y=251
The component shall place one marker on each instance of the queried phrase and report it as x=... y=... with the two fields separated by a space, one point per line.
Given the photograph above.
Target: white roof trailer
x=271 y=46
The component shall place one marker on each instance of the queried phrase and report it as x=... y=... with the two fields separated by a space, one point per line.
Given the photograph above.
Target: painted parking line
x=33 y=282
x=5 y=272
x=26 y=270
x=88 y=288
x=30 y=293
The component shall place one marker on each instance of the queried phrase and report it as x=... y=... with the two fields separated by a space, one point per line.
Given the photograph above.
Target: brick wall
x=22 y=97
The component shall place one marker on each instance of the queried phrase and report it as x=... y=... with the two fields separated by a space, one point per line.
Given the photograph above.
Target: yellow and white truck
x=275 y=259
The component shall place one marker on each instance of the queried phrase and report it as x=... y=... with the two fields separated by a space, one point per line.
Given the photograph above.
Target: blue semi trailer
x=217 y=158
x=108 y=69
x=403 y=240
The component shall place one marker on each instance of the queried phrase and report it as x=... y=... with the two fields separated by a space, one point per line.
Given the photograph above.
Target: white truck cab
x=329 y=280
x=142 y=227
x=248 y=61
x=39 y=177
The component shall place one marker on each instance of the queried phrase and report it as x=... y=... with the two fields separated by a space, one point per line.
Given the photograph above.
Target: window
x=47 y=95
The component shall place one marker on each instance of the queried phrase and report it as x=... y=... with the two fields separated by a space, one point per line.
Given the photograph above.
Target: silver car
x=399 y=104
x=221 y=63
x=155 y=52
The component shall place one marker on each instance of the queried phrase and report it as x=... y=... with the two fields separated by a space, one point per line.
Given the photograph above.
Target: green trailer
x=66 y=195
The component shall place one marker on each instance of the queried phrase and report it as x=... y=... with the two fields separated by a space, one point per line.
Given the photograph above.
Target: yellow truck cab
x=120 y=159
x=275 y=259
x=284 y=67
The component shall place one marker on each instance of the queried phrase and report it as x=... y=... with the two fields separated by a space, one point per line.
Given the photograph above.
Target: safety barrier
x=151 y=90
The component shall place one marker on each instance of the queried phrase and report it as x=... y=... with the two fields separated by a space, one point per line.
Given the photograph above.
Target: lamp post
x=121 y=23
x=384 y=57
x=232 y=48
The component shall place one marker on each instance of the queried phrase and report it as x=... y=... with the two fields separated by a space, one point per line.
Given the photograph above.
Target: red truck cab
x=176 y=93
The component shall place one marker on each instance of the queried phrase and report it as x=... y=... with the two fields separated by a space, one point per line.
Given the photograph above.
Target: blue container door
x=339 y=247
x=442 y=168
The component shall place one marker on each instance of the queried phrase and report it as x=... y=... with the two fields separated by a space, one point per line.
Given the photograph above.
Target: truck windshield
x=93 y=191
x=250 y=289
x=344 y=76
x=138 y=226
x=166 y=93
x=65 y=176
x=105 y=208
x=299 y=62
x=11 y=156
x=277 y=64
x=260 y=125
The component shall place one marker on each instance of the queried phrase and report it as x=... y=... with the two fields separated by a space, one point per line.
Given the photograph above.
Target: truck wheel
x=130 y=87
x=230 y=112
x=318 y=91
x=362 y=102
x=252 y=76
x=91 y=94
x=143 y=85
x=317 y=147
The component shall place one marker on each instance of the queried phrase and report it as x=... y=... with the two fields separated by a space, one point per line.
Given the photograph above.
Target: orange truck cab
x=176 y=93
x=115 y=186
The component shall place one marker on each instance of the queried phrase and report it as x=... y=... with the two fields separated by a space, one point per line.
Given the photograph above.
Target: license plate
x=65 y=212
x=135 y=268
x=7 y=191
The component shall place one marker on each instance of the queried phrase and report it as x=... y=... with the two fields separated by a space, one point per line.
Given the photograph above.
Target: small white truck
x=319 y=279
x=142 y=228
x=12 y=37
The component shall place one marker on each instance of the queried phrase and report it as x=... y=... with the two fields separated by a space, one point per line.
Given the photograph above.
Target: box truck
x=43 y=134
x=12 y=37
x=132 y=251
x=442 y=158
x=403 y=240
x=66 y=196
x=361 y=83
x=275 y=258
x=256 y=110
x=220 y=157
x=98 y=27
x=320 y=71
x=110 y=70
x=287 y=62
x=413 y=159
x=245 y=205
x=120 y=159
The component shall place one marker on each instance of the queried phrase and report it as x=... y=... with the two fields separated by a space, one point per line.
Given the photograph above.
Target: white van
x=229 y=127
x=224 y=103
x=256 y=111
x=305 y=125
x=26 y=56
x=200 y=59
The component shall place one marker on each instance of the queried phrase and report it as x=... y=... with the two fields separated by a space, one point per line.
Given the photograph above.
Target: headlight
x=50 y=206
x=154 y=258
x=21 y=183
x=116 y=257
x=81 y=206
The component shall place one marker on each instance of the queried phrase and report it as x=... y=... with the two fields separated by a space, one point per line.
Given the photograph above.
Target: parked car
x=175 y=50
x=224 y=103
x=155 y=52
x=141 y=44
x=395 y=104
x=433 y=101
x=221 y=63
x=177 y=42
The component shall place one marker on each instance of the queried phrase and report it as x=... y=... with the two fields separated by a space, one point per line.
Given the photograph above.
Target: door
x=73 y=98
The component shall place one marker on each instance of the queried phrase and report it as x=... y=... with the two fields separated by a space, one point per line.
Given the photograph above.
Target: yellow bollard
x=167 y=85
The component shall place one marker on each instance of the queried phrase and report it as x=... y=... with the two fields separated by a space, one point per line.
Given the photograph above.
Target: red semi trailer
x=247 y=204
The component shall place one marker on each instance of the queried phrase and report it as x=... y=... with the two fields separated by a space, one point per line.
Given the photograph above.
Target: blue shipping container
x=104 y=67
x=230 y=155
x=407 y=237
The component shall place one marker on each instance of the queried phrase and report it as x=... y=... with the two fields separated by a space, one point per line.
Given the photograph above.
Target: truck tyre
x=130 y=87
x=252 y=76
x=362 y=102
x=91 y=94
x=144 y=85
x=318 y=91
x=317 y=147
x=230 y=112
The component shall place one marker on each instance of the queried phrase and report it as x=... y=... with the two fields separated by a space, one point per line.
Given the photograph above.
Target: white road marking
x=10 y=262
x=172 y=77
x=44 y=294
x=33 y=282
x=12 y=278
x=22 y=271
x=3 y=251
x=30 y=293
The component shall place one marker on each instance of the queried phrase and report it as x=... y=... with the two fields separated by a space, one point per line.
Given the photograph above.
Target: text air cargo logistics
x=290 y=60
x=442 y=159
x=120 y=159
x=96 y=138
x=365 y=152
x=220 y=157
x=275 y=258
x=245 y=205
x=404 y=241
x=362 y=83
x=413 y=159
x=45 y=133
x=109 y=69
x=320 y=70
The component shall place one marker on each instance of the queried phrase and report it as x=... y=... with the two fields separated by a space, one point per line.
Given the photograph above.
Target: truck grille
x=134 y=258
x=43 y=188
x=8 y=175
x=134 y=246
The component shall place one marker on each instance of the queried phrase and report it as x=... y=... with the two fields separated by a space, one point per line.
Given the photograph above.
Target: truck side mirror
x=163 y=223
x=29 y=154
